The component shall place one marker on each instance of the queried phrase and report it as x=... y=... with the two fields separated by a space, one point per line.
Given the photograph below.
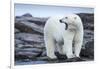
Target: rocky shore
x=29 y=42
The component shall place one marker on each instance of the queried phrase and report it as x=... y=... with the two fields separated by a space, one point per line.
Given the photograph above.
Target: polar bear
x=64 y=33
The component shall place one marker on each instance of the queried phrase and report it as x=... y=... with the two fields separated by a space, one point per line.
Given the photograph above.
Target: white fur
x=55 y=31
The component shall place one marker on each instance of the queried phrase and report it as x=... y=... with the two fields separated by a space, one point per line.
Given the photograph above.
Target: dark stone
x=60 y=56
x=76 y=59
x=88 y=52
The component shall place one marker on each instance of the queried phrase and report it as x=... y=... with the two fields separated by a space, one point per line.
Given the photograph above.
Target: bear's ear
x=75 y=17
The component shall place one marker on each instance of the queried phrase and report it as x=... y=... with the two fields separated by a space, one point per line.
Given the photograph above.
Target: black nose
x=61 y=21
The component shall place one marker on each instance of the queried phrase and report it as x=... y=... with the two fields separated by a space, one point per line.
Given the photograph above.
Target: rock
x=36 y=20
x=16 y=30
x=27 y=46
x=87 y=17
x=39 y=46
x=88 y=32
x=88 y=42
x=17 y=41
x=18 y=46
x=36 y=50
x=88 y=51
x=88 y=20
x=29 y=27
x=88 y=36
x=29 y=38
x=26 y=55
x=28 y=18
x=88 y=26
x=43 y=53
x=27 y=15
x=60 y=56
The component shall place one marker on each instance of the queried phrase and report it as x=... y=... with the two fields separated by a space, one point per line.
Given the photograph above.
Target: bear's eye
x=66 y=17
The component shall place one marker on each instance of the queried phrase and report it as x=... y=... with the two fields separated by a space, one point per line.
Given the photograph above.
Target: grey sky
x=46 y=11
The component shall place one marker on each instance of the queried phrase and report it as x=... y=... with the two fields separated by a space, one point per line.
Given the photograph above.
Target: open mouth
x=61 y=21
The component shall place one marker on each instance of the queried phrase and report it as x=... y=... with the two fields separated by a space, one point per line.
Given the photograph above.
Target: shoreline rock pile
x=29 y=42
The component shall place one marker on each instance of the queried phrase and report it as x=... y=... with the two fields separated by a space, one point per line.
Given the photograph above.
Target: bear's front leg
x=78 y=46
x=68 y=49
x=78 y=43
x=50 y=48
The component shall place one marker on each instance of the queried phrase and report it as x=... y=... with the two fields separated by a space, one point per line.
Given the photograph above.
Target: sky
x=47 y=10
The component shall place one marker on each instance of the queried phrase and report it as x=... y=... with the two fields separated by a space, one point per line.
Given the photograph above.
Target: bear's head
x=69 y=20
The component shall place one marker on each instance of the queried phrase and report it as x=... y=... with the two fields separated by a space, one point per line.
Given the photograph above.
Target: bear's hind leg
x=50 y=48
